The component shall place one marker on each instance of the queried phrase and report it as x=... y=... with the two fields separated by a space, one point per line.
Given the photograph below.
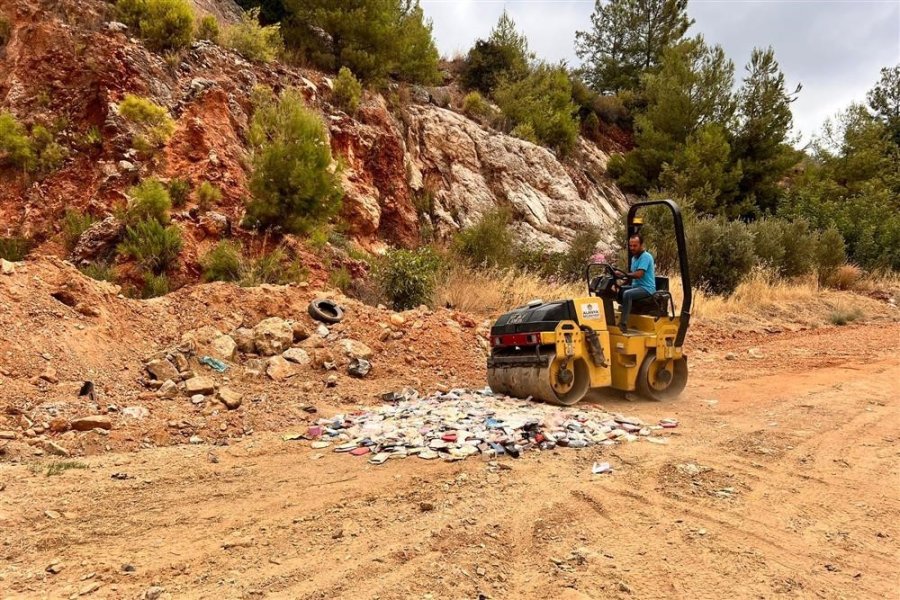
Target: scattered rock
x=116 y=27
x=214 y=224
x=59 y=425
x=153 y=592
x=300 y=331
x=223 y=347
x=54 y=448
x=426 y=506
x=54 y=568
x=199 y=385
x=359 y=367
x=196 y=439
x=49 y=375
x=243 y=338
x=135 y=412
x=241 y=542
x=272 y=336
x=161 y=370
x=755 y=353
x=322 y=331
x=231 y=399
x=297 y=355
x=92 y=422
x=356 y=349
x=731 y=356
x=6 y=267
x=98 y=240
x=279 y=369
x=169 y=389
x=397 y=319
x=7 y=435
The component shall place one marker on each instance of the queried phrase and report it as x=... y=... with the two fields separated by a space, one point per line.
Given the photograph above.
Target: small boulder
x=279 y=369
x=6 y=267
x=60 y=425
x=272 y=336
x=230 y=398
x=214 y=224
x=397 y=319
x=223 y=347
x=300 y=331
x=297 y=355
x=169 y=389
x=243 y=337
x=359 y=367
x=161 y=370
x=199 y=385
x=92 y=422
x=356 y=349
x=98 y=240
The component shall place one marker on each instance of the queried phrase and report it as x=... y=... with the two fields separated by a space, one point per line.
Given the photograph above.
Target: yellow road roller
x=559 y=351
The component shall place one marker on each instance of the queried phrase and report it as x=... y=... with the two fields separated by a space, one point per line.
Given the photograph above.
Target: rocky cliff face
x=66 y=62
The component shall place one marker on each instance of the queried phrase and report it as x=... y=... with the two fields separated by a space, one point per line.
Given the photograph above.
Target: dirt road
x=781 y=481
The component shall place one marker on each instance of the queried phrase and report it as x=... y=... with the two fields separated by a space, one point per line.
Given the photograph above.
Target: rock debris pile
x=462 y=423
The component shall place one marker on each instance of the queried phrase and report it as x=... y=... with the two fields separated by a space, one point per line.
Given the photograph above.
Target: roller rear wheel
x=661 y=379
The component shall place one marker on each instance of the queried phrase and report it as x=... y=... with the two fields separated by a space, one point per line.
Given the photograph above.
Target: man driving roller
x=642 y=276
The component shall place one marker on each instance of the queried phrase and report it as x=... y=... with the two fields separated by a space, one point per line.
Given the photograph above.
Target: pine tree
x=691 y=89
x=884 y=100
x=761 y=138
x=504 y=54
x=375 y=39
x=627 y=39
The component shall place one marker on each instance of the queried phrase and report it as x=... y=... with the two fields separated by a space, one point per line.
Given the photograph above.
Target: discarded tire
x=326 y=311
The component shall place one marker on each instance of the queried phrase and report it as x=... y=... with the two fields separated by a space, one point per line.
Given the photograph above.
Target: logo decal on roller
x=591 y=310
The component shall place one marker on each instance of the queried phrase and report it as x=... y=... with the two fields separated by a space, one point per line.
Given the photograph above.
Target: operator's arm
x=633 y=275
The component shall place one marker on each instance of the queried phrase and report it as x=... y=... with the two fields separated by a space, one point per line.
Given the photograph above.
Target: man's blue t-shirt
x=648 y=281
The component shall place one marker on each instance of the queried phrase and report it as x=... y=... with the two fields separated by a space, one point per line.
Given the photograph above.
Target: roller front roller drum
x=556 y=383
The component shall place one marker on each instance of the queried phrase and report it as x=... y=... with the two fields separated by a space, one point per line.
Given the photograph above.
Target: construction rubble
x=462 y=423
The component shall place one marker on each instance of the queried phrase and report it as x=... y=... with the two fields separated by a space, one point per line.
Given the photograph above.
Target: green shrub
x=208 y=195
x=591 y=126
x=770 y=243
x=49 y=154
x=543 y=101
x=274 y=268
x=74 y=224
x=830 y=253
x=179 y=190
x=222 y=263
x=476 y=107
x=253 y=41
x=341 y=279
x=571 y=264
x=153 y=245
x=801 y=243
x=347 y=91
x=153 y=124
x=155 y=285
x=208 y=29
x=92 y=138
x=842 y=316
x=407 y=277
x=149 y=201
x=489 y=242
x=294 y=183
x=720 y=254
x=611 y=109
x=5 y=30
x=14 y=248
x=525 y=131
x=100 y=271
x=163 y=24
x=15 y=146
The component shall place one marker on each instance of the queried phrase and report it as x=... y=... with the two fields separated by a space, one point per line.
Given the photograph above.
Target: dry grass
x=760 y=301
x=490 y=293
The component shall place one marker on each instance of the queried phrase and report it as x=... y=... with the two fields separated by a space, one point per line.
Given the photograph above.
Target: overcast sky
x=835 y=48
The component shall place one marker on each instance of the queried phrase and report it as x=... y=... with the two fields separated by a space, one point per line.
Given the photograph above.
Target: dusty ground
x=781 y=481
